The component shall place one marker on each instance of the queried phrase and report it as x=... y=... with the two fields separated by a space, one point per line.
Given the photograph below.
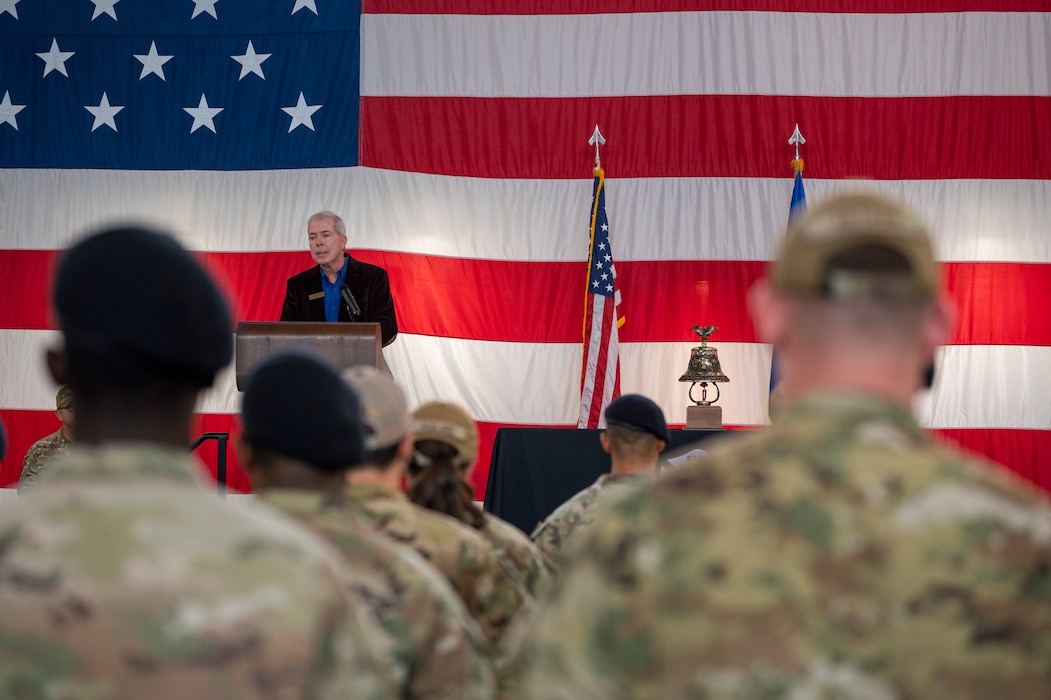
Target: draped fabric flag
x=449 y=139
x=600 y=366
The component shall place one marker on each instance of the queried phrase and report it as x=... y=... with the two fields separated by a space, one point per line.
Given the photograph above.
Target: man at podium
x=339 y=288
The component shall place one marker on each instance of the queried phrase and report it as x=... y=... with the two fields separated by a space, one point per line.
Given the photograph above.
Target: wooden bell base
x=704 y=417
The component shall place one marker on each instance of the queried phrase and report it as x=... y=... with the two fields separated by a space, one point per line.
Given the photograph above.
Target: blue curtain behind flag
x=317 y=56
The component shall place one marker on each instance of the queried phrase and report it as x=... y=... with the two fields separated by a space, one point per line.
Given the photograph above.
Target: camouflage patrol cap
x=296 y=404
x=64 y=397
x=448 y=423
x=638 y=413
x=138 y=298
x=384 y=411
x=869 y=226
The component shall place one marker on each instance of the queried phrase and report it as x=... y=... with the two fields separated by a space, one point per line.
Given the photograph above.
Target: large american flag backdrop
x=454 y=142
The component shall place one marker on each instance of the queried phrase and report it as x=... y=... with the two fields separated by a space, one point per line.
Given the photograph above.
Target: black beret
x=137 y=295
x=636 y=412
x=296 y=404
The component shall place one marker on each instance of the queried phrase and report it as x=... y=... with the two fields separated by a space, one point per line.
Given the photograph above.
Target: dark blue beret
x=138 y=296
x=636 y=412
x=296 y=404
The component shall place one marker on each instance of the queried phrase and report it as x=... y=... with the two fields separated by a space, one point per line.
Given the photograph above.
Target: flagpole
x=600 y=360
x=796 y=209
x=797 y=139
x=596 y=140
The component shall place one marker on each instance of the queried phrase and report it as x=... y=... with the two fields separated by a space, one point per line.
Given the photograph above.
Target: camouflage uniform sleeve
x=548 y=539
x=492 y=596
x=518 y=553
x=448 y=656
x=31 y=467
x=558 y=651
x=347 y=665
x=552 y=536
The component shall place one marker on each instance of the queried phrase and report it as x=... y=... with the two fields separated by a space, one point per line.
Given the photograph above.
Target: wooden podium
x=343 y=344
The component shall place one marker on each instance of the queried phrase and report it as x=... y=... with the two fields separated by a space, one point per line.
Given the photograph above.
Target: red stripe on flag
x=1023 y=451
x=602 y=352
x=24 y=427
x=486 y=299
x=579 y=7
x=539 y=138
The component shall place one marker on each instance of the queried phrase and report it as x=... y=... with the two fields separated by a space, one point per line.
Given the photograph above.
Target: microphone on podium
x=352 y=303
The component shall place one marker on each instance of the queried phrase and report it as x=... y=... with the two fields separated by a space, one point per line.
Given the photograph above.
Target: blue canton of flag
x=602 y=277
x=600 y=370
x=179 y=84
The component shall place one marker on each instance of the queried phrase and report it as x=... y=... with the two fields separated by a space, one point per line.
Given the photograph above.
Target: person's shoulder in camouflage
x=492 y=596
x=44 y=450
x=636 y=433
x=123 y=579
x=838 y=553
x=821 y=556
x=438 y=648
x=462 y=555
x=552 y=534
x=518 y=553
x=37 y=458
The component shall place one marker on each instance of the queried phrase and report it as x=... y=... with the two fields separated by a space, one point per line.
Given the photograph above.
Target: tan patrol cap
x=64 y=397
x=448 y=423
x=384 y=411
x=856 y=221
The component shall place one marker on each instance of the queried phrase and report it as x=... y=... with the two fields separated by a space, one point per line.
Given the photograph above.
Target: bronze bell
x=704 y=367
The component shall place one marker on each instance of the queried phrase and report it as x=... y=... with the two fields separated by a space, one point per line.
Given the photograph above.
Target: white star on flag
x=301 y=114
x=104 y=113
x=54 y=59
x=203 y=115
x=8 y=110
x=9 y=7
x=104 y=7
x=208 y=6
x=251 y=62
x=308 y=4
x=152 y=62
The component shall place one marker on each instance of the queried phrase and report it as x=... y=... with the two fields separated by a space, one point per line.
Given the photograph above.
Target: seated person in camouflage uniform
x=120 y=576
x=295 y=410
x=636 y=433
x=840 y=553
x=461 y=554
x=444 y=454
x=46 y=448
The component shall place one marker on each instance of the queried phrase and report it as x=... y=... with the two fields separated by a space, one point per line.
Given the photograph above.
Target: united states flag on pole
x=600 y=370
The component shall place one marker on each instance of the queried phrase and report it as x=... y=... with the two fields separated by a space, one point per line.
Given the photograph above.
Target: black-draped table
x=534 y=470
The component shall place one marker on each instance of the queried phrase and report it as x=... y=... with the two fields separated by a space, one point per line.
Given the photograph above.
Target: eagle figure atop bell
x=704 y=368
